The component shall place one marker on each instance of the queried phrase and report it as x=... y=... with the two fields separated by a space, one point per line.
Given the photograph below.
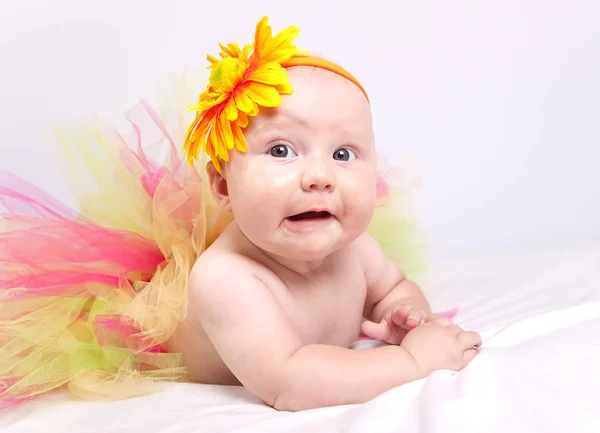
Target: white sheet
x=538 y=370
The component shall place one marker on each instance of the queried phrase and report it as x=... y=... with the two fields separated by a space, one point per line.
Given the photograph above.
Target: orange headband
x=318 y=62
x=242 y=81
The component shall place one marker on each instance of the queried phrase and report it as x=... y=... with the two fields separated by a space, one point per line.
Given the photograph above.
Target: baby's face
x=306 y=186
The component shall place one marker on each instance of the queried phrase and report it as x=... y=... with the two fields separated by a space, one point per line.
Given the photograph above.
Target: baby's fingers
x=379 y=331
x=469 y=340
x=469 y=355
x=406 y=318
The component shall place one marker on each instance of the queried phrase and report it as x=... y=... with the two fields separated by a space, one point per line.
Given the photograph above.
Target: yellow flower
x=242 y=81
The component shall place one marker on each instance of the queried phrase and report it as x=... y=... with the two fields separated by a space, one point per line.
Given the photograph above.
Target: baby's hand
x=396 y=323
x=441 y=345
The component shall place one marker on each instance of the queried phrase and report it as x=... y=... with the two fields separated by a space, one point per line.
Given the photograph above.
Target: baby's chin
x=309 y=246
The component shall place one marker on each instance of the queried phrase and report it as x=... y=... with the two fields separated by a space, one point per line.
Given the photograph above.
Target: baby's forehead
x=303 y=76
x=320 y=99
x=300 y=120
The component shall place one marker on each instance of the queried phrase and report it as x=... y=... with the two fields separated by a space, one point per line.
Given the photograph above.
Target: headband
x=241 y=82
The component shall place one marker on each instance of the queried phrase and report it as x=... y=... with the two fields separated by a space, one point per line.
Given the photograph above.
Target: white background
x=496 y=104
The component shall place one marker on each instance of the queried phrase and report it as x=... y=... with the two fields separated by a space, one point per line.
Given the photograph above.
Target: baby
x=134 y=288
x=278 y=299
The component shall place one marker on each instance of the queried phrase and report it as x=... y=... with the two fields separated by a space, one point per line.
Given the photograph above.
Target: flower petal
x=238 y=138
x=254 y=111
x=197 y=132
x=217 y=164
x=211 y=151
x=285 y=88
x=262 y=34
x=229 y=49
x=231 y=110
x=217 y=141
x=247 y=50
x=211 y=100
x=262 y=94
x=280 y=48
x=269 y=76
x=224 y=132
x=242 y=101
x=242 y=120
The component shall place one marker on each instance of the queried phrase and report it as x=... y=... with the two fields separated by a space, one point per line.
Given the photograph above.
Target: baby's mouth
x=311 y=216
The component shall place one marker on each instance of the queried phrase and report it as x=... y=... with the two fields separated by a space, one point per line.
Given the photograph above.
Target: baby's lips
x=449 y=314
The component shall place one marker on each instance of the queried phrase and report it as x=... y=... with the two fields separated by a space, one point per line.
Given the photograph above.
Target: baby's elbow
x=298 y=399
x=273 y=393
x=287 y=402
x=281 y=399
x=285 y=388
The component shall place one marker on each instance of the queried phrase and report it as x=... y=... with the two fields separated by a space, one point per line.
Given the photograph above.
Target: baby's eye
x=282 y=151
x=344 y=154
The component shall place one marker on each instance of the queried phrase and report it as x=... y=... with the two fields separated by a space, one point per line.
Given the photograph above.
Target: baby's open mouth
x=312 y=215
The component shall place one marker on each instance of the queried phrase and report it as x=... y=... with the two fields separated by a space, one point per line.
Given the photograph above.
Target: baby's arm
x=392 y=301
x=387 y=286
x=257 y=342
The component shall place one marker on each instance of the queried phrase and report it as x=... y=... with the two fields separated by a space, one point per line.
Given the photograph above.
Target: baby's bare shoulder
x=219 y=268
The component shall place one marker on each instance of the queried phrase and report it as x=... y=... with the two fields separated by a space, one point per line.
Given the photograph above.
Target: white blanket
x=538 y=369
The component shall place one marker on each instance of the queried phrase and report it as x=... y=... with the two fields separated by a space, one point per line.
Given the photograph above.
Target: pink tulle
x=55 y=255
x=382 y=188
x=449 y=314
x=143 y=117
x=55 y=248
x=8 y=401
x=115 y=331
x=22 y=198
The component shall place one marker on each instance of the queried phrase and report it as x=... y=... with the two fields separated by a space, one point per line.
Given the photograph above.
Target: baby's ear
x=218 y=186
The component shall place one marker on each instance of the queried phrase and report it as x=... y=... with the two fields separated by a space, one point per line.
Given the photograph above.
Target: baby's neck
x=304 y=268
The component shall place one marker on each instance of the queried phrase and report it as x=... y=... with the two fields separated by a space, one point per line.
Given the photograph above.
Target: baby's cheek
x=359 y=213
x=364 y=197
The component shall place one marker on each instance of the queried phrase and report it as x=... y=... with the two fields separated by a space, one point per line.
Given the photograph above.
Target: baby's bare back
x=325 y=307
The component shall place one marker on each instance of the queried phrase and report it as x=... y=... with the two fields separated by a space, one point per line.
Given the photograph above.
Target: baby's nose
x=319 y=179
